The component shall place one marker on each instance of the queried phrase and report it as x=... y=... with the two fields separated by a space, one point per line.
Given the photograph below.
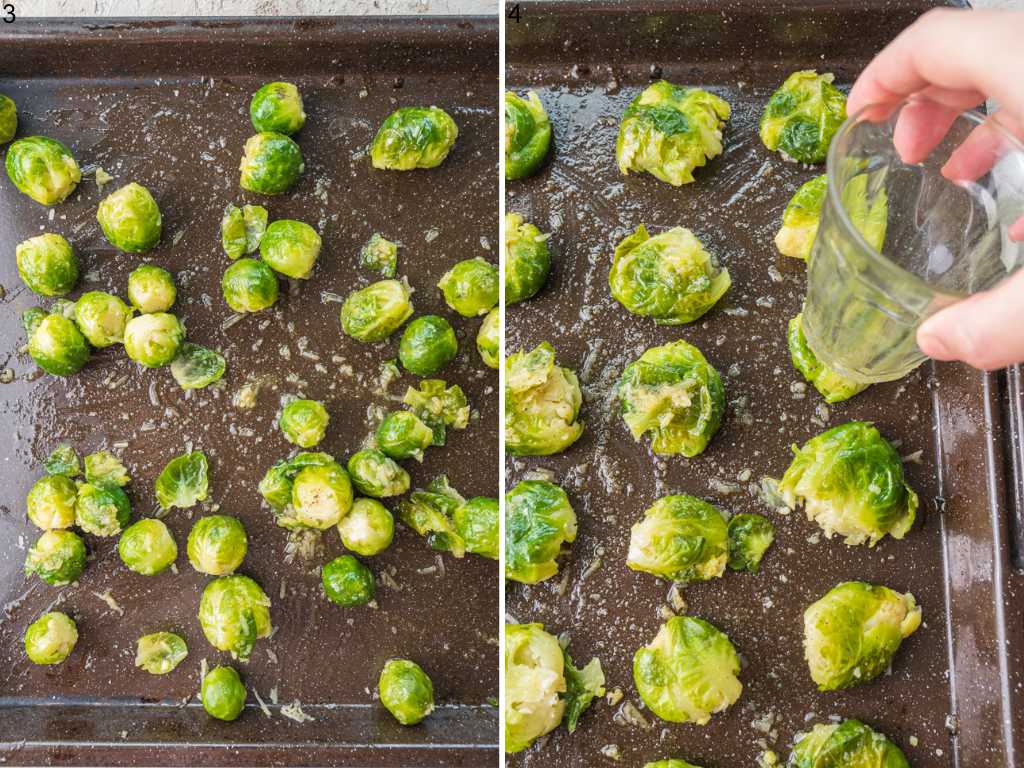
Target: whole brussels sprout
x=669 y=277
x=43 y=169
x=102 y=510
x=271 y=164
x=303 y=422
x=681 y=538
x=234 y=613
x=670 y=763
x=183 y=482
x=476 y=521
x=290 y=248
x=527 y=260
x=51 y=638
x=242 y=229
x=749 y=538
x=380 y=255
x=430 y=513
x=151 y=289
x=688 y=672
x=802 y=116
x=276 y=485
x=196 y=366
x=538 y=520
x=849 y=744
x=249 y=285
x=102 y=318
x=406 y=691
x=375 y=312
x=348 y=582
x=834 y=387
x=47 y=264
x=527 y=135
x=428 y=345
x=669 y=130
x=672 y=393
x=488 y=342
x=542 y=404
x=852 y=634
x=130 y=219
x=57 y=346
x=57 y=557
x=367 y=529
x=277 y=108
x=439 y=407
x=217 y=545
x=8 y=118
x=321 y=497
x=413 y=137
x=153 y=340
x=223 y=694
x=376 y=474
x=801 y=218
x=51 y=502
x=147 y=547
x=534 y=685
x=160 y=652
x=402 y=435
x=850 y=481
x=470 y=287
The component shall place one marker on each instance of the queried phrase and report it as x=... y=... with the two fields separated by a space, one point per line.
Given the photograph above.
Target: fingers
x=921 y=126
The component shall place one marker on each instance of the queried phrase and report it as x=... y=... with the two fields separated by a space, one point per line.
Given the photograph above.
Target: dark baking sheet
x=165 y=103
x=953 y=697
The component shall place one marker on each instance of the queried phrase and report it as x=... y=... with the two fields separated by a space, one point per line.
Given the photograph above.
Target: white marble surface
x=80 y=8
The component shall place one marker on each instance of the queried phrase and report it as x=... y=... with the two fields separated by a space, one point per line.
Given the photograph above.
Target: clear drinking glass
x=945 y=216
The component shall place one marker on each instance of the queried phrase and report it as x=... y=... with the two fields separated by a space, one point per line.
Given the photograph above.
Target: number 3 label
x=9 y=16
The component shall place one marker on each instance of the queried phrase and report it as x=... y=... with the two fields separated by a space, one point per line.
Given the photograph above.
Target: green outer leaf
x=183 y=482
x=63 y=461
x=582 y=687
x=196 y=366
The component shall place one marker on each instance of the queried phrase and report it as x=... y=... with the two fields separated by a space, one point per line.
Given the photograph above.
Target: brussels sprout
x=249 y=285
x=402 y=435
x=681 y=538
x=542 y=404
x=669 y=277
x=380 y=255
x=850 y=481
x=439 y=407
x=290 y=248
x=223 y=694
x=470 y=287
x=801 y=219
x=43 y=169
x=428 y=345
x=413 y=137
x=102 y=510
x=375 y=474
x=749 y=538
x=51 y=502
x=669 y=130
x=851 y=635
x=476 y=521
x=670 y=763
x=183 y=482
x=160 y=652
x=271 y=164
x=303 y=422
x=406 y=691
x=430 y=514
x=834 y=387
x=8 y=118
x=348 y=582
x=57 y=557
x=51 y=638
x=534 y=685
x=538 y=520
x=234 y=613
x=321 y=497
x=153 y=340
x=56 y=344
x=488 y=342
x=368 y=528
x=375 y=312
x=241 y=230
x=147 y=547
x=802 y=116
x=527 y=135
x=63 y=461
x=196 y=366
x=277 y=107
x=849 y=744
x=47 y=264
x=130 y=219
x=151 y=289
x=688 y=672
x=102 y=317
x=276 y=485
x=527 y=261
x=104 y=468
x=672 y=393
x=217 y=545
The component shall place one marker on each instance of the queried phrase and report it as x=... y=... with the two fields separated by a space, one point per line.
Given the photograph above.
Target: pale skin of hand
x=957 y=59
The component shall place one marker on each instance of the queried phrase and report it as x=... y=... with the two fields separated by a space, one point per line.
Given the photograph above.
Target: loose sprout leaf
x=438 y=407
x=380 y=254
x=430 y=512
x=196 y=367
x=749 y=538
x=849 y=744
x=160 y=652
x=232 y=232
x=183 y=482
x=582 y=686
x=255 y=218
x=104 y=469
x=63 y=461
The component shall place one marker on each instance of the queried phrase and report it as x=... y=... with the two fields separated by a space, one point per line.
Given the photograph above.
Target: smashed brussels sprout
x=439 y=407
x=55 y=343
x=51 y=502
x=217 y=545
x=102 y=318
x=849 y=480
x=375 y=312
x=688 y=672
x=380 y=255
x=153 y=340
x=104 y=468
x=527 y=135
x=290 y=248
x=430 y=513
x=476 y=521
x=834 y=387
x=303 y=422
x=151 y=289
x=403 y=435
x=271 y=164
x=348 y=582
x=242 y=230
x=160 y=652
x=147 y=547
x=428 y=345
x=223 y=694
x=749 y=538
x=542 y=404
x=527 y=260
x=488 y=342
x=183 y=482
x=368 y=528
x=249 y=285
x=130 y=219
x=102 y=510
x=277 y=108
x=47 y=264
x=669 y=130
x=470 y=287
x=51 y=638
x=57 y=557
x=681 y=538
x=801 y=218
x=538 y=520
x=196 y=366
x=43 y=169
x=534 y=685
x=376 y=474
x=234 y=613
x=406 y=691
x=8 y=118
x=849 y=744
x=802 y=116
x=413 y=137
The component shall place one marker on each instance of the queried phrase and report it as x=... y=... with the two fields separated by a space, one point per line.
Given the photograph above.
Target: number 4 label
x=513 y=12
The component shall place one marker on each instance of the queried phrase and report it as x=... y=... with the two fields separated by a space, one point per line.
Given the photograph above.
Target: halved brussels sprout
x=669 y=130
x=849 y=480
x=849 y=744
x=527 y=135
x=375 y=312
x=470 y=287
x=688 y=672
x=8 y=118
x=669 y=277
x=223 y=694
x=380 y=254
x=47 y=264
x=538 y=520
x=130 y=219
x=476 y=521
x=534 y=685
x=834 y=387
x=102 y=317
x=430 y=514
x=542 y=404
x=153 y=340
x=749 y=538
x=104 y=468
x=406 y=691
x=290 y=248
x=488 y=342
x=160 y=652
x=439 y=407
x=801 y=219
x=348 y=582
x=51 y=502
x=368 y=528
x=63 y=461
x=151 y=289
x=43 y=169
x=428 y=345
x=303 y=422
x=802 y=116
x=681 y=538
x=196 y=366
x=413 y=137
x=852 y=634
x=527 y=260
x=57 y=557
x=102 y=510
x=249 y=285
x=673 y=394
x=234 y=613
x=271 y=165
x=321 y=497
x=276 y=485
x=217 y=545
x=183 y=482
x=277 y=107
x=242 y=229
x=376 y=474
x=50 y=638
x=56 y=344
x=402 y=435
x=147 y=547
